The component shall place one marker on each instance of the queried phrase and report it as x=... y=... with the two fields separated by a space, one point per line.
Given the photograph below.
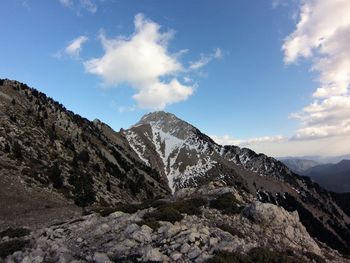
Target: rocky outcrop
x=54 y=156
x=123 y=237
x=188 y=158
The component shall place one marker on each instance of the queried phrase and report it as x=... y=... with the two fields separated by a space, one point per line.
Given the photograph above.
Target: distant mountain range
x=332 y=176
x=299 y=166
x=317 y=158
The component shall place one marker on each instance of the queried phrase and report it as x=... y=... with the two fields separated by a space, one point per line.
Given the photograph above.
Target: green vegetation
x=17 y=150
x=165 y=213
x=172 y=211
x=15 y=232
x=84 y=156
x=255 y=255
x=151 y=222
x=129 y=208
x=55 y=177
x=9 y=247
x=231 y=230
x=226 y=203
x=84 y=194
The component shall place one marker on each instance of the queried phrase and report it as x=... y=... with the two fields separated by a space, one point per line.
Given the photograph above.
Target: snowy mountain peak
x=167 y=123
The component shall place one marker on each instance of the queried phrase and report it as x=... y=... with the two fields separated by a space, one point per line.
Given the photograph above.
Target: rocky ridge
x=125 y=237
x=48 y=151
x=189 y=158
x=250 y=206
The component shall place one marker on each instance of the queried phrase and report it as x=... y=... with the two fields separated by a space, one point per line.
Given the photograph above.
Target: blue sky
x=231 y=68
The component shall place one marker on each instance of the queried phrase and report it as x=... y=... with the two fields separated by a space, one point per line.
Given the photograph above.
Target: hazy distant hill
x=317 y=158
x=334 y=177
x=299 y=166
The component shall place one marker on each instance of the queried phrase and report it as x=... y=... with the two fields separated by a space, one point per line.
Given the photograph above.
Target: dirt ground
x=21 y=206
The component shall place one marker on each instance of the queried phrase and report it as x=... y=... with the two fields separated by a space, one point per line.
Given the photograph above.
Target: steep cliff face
x=52 y=154
x=188 y=158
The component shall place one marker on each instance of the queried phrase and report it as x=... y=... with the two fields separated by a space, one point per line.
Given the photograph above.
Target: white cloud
x=322 y=35
x=228 y=140
x=143 y=62
x=79 y=5
x=75 y=46
x=225 y=140
x=277 y=3
x=66 y=3
x=205 y=59
x=278 y=146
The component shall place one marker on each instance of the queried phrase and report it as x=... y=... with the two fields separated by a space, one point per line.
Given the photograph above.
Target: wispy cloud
x=206 y=59
x=75 y=46
x=73 y=49
x=80 y=5
x=143 y=61
x=322 y=35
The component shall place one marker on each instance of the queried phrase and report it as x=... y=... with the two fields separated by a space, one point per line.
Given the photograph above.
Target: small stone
x=213 y=241
x=194 y=252
x=185 y=248
x=131 y=229
x=79 y=240
x=101 y=258
x=153 y=254
x=193 y=236
x=175 y=256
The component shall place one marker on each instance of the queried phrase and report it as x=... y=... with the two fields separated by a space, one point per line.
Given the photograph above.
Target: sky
x=270 y=75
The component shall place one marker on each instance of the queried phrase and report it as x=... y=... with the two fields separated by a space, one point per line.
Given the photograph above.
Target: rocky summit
x=74 y=190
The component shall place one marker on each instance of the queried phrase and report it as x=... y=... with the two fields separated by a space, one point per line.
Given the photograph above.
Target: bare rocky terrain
x=73 y=190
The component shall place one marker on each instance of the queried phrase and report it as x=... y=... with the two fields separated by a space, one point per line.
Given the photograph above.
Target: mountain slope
x=52 y=154
x=53 y=160
x=189 y=158
x=299 y=166
x=334 y=177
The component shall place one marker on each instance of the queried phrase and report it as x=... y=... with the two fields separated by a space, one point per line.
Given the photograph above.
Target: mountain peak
x=168 y=123
x=157 y=116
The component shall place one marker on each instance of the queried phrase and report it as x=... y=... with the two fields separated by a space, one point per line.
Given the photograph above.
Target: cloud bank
x=228 y=140
x=142 y=61
x=322 y=35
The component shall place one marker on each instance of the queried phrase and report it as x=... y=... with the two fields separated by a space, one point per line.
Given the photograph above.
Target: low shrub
x=152 y=223
x=15 y=232
x=231 y=230
x=189 y=206
x=9 y=247
x=166 y=213
x=314 y=258
x=226 y=203
x=264 y=255
x=55 y=176
x=255 y=255
x=129 y=208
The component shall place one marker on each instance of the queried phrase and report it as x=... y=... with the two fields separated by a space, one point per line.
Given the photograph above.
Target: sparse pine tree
x=17 y=150
x=108 y=185
x=55 y=176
